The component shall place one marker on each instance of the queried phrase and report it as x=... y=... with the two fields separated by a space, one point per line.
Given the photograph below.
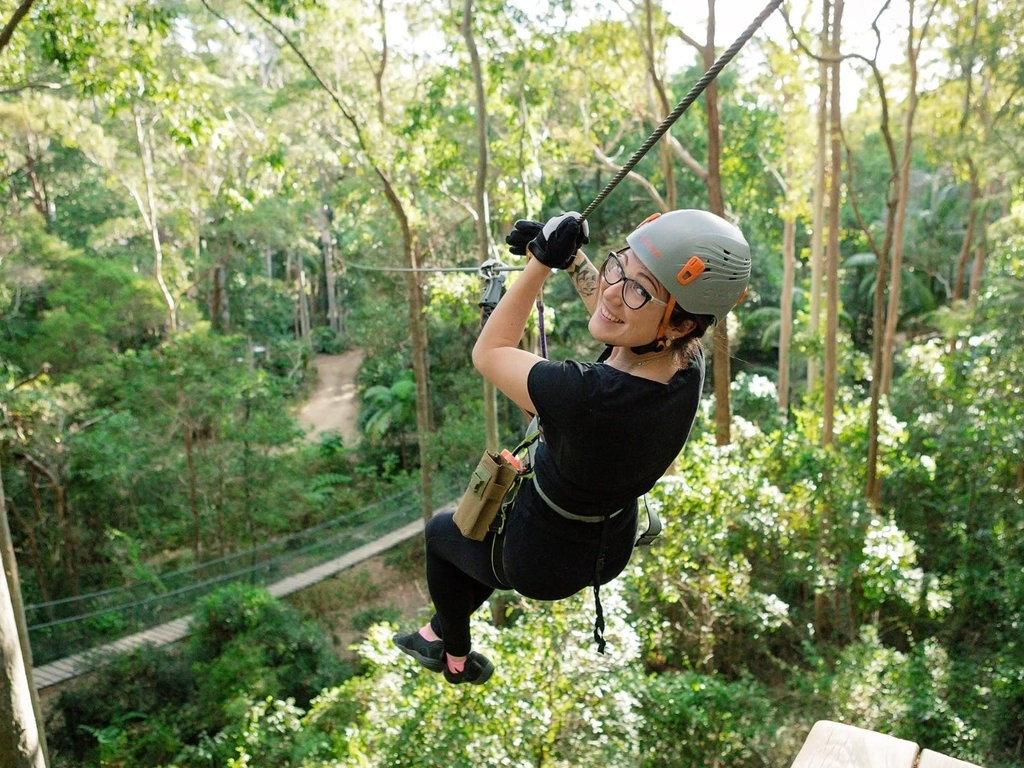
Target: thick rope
x=683 y=105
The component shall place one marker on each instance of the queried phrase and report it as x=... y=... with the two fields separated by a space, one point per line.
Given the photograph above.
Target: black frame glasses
x=632 y=291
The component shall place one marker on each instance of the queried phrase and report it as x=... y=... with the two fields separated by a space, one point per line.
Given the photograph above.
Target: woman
x=610 y=428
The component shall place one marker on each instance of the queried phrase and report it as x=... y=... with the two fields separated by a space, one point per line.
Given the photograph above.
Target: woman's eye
x=638 y=290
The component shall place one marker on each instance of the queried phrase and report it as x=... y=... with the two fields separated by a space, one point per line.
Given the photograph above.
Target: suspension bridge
x=158 y=611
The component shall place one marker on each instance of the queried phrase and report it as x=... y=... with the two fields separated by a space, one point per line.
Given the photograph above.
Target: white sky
x=732 y=17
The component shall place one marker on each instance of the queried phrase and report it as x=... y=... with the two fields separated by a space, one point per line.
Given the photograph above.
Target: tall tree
x=721 y=361
x=817 y=257
x=383 y=167
x=482 y=209
x=22 y=734
x=903 y=191
x=19 y=13
x=832 y=251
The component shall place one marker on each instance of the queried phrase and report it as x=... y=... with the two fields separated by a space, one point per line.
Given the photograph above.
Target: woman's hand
x=556 y=244
x=523 y=231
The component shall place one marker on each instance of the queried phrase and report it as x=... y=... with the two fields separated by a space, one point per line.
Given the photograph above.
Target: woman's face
x=614 y=322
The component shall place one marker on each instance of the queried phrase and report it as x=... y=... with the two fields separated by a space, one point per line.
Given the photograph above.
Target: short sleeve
x=557 y=389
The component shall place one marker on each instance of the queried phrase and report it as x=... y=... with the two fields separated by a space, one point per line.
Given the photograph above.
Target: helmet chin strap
x=660 y=341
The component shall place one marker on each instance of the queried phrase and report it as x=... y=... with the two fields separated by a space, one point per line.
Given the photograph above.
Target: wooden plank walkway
x=80 y=663
x=837 y=745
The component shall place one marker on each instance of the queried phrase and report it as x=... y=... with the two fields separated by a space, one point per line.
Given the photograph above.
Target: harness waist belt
x=569 y=515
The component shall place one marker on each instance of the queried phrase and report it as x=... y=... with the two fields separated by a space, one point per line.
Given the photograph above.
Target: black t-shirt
x=608 y=435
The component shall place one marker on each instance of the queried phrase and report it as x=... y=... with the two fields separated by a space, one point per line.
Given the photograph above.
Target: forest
x=198 y=197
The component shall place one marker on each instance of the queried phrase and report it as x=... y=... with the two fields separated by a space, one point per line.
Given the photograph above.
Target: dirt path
x=373 y=587
x=333 y=405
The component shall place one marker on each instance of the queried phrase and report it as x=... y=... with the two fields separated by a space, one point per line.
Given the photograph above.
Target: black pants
x=545 y=557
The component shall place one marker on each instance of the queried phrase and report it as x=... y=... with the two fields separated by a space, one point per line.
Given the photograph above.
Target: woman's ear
x=680 y=331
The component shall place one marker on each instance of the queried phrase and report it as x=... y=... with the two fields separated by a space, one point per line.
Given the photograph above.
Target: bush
x=146 y=706
x=699 y=720
x=135 y=706
x=363 y=620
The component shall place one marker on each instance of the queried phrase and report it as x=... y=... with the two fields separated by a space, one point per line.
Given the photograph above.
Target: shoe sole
x=485 y=675
x=434 y=665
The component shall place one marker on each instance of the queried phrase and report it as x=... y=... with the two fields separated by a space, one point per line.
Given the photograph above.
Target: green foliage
x=363 y=620
x=146 y=707
x=128 y=711
x=695 y=720
x=905 y=694
x=143 y=449
x=552 y=701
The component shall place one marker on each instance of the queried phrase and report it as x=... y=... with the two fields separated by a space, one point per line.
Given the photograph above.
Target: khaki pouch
x=491 y=480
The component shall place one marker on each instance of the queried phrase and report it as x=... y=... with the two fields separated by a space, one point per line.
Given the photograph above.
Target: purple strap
x=540 y=328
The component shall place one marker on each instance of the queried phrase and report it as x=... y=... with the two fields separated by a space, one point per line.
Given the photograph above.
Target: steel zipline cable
x=698 y=88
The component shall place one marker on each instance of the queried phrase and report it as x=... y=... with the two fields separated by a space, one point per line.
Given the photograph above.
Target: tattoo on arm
x=584 y=277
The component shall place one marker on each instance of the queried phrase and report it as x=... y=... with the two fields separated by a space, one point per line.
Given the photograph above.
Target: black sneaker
x=478 y=670
x=428 y=653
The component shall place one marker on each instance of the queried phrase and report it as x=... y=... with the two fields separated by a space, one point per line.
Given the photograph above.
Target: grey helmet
x=703 y=260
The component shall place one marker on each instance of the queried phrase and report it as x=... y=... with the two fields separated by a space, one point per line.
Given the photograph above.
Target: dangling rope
x=683 y=105
x=543 y=337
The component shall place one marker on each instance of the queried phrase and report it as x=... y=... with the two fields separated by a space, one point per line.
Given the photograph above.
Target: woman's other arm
x=496 y=354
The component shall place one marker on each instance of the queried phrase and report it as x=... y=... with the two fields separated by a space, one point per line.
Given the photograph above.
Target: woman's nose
x=612 y=294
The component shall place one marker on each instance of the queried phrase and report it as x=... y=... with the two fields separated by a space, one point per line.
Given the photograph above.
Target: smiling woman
x=609 y=429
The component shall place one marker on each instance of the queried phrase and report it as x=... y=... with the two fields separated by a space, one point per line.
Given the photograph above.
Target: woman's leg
x=459 y=578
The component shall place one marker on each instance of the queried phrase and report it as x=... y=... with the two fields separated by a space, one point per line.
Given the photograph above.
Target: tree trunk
x=902 y=202
x=305 y=328
x=40 y=198
x=35 y=552
x=421 y=370
x=977 y=272
x=193 y=492
x=818 y=200
x=978 y=268
x=721 y=363
x=872 y=486
x=418 y=339
x=786 y=325
x=482 y=209
x=22 y=738
x=19 y=13
x=327 y=244
x=667 y=153
x=832 y=260
x=69 y=538
x=965 y=248
x=149 y=215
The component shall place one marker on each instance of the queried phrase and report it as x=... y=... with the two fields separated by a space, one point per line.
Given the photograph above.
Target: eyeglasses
x=634 y=295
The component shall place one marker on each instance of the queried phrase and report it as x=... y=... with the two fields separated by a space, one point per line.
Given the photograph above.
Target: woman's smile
x=608 y=316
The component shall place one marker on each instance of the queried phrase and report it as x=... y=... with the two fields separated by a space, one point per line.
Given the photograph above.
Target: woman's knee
x=439 y=527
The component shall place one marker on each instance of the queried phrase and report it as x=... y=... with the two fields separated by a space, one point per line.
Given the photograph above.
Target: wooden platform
x=836 y=745
x=80 y=663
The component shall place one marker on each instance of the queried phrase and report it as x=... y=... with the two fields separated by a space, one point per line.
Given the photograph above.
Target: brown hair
x=686 y=346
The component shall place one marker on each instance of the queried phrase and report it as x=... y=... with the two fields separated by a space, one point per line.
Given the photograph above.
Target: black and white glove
x=559 y=239
x=523 y=231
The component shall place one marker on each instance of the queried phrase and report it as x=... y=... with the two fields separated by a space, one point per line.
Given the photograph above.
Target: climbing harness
x=492 y=273
x=523 y=456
